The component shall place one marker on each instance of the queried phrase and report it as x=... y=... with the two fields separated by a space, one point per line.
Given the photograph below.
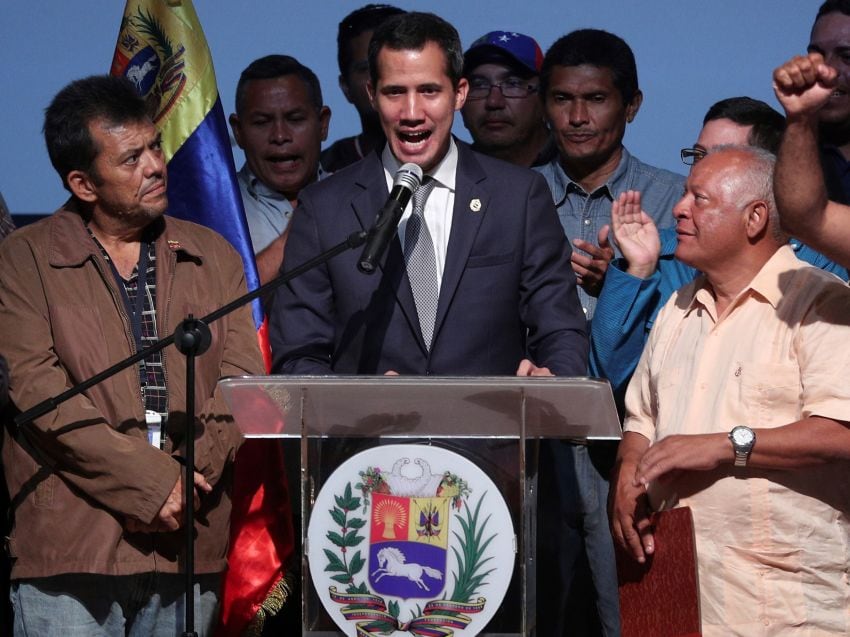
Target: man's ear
x=81 y=185
x=633 y=107
x=460 y=93
x=324 y=121
x=758 y=217
x=235 y=126
x=370 y=91
x=346 y=90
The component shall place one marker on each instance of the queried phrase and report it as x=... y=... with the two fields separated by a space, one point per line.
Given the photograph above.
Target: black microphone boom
x=407 y=180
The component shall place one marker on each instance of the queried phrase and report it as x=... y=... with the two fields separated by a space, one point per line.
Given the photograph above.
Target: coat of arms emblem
x=413 y=539
x=148 y=57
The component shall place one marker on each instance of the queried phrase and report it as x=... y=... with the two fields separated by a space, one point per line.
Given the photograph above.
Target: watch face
x=742 y=436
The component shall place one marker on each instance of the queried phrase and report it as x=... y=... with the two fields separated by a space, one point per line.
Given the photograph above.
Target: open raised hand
x=635 y=234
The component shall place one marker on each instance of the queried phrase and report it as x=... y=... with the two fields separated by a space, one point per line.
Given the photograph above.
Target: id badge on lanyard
x=154 y=422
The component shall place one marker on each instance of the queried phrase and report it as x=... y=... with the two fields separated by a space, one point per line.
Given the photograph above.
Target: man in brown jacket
x=95 y=485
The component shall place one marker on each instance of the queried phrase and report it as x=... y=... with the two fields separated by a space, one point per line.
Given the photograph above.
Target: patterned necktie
x=422 y=263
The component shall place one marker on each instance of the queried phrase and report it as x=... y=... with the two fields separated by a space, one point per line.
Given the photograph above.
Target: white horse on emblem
x=137 y=73
x=392 y=562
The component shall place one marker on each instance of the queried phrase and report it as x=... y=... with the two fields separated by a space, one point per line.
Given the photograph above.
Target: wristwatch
x=743 y=438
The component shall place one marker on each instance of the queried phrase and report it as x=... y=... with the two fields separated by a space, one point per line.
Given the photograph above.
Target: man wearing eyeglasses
x=738 y=410
x=503 y=112
x=638 y=285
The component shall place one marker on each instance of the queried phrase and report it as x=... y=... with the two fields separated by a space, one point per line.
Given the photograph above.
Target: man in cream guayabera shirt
x=739 y=410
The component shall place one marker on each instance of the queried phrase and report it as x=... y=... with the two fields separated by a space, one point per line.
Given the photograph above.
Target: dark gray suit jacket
x=508 y=290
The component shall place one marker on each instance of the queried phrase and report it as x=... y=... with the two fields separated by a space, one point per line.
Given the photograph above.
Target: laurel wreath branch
x=470 y=558
x=371 y=481
x=347 y=538
x=455 y=487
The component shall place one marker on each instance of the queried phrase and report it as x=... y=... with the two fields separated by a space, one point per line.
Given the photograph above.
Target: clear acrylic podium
x=497 y=422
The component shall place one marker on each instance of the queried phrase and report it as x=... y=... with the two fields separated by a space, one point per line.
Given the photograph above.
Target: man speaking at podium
x=95 y=485
x=480 y=284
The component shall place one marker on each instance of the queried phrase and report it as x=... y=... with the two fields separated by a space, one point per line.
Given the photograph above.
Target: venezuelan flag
x=162 y=50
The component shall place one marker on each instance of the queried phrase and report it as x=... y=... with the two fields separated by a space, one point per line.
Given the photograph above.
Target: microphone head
x=408 y=176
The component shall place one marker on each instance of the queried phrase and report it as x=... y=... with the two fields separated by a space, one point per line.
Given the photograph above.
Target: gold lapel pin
x=475 y=205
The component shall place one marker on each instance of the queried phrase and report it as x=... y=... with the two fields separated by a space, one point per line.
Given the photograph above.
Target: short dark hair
x=833 y=6
x=412 y=31
x=274 y=66
x=596 y=48
x=366 y=18
x=113 y=100
x=767 y=123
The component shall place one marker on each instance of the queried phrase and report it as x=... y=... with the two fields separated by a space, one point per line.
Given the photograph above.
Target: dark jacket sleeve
x=549 y=305
x=301 y=323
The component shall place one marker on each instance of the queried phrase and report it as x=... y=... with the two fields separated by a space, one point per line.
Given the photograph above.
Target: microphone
x=407 y=180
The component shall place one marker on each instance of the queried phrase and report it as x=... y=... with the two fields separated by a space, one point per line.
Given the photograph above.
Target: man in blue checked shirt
x=589 y=87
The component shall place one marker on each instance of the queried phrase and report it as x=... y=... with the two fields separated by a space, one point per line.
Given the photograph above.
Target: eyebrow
x=129 y=152
x=429 y=86
x=814 y=48
x=500 y=75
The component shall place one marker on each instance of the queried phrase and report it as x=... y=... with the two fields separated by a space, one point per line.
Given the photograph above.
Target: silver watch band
x=741 y=458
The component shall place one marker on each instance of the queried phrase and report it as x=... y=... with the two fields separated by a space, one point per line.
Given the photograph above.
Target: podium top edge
x=457 y=381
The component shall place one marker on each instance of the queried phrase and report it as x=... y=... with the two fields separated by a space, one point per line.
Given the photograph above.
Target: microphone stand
x=192 y=338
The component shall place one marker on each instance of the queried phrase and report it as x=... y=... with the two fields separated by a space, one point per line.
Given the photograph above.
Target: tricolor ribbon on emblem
x=439 y=618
